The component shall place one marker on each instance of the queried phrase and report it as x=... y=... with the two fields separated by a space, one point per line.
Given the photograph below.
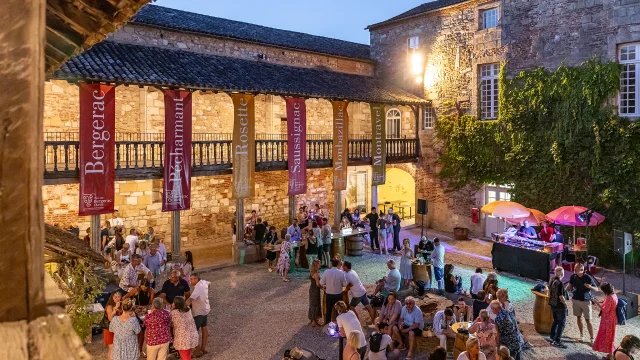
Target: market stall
x=524 y=257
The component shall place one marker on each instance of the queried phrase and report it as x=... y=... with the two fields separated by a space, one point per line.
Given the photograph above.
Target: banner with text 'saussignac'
x=297 y=145
x=378 y=145
x=340 y=144
x=243 y=145
x=97 y=149
x=177 y=150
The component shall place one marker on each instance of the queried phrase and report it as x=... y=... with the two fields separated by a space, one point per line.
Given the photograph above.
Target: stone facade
x=139 y=34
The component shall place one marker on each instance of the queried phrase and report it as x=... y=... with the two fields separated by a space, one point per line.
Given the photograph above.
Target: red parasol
x=568 y=215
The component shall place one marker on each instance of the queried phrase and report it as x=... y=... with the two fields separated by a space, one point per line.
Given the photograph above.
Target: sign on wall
x=296 y=145
x=243 y=145
x=97 y=149
x=340 y=144
x=177 y=152
x=378 y=145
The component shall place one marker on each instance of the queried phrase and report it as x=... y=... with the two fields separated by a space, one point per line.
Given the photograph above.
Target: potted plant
x=460 y=233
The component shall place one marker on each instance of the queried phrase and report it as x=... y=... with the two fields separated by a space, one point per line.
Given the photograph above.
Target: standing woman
x=185 y=334
x=187 y=267
x=284 y=262
x=405 y=263
x=326 y=243
x=608 y=321
x=271 y=240
x=143 y=250
x=318 y=234
x=382 y=232
x=311 y=243
x=112 y=309
x=125 y=329
x=315 y=309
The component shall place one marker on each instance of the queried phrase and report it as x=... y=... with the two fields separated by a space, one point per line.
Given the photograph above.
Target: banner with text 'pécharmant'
x=378 y=145
x=297 y=145
x=177 y=150
x=340 y=144
x=243 y=145
x=97 y=149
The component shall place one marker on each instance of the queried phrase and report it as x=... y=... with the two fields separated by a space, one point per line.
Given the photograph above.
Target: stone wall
x=145 y=35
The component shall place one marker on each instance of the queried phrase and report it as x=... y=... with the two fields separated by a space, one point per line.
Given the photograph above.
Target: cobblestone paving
x=257 y=316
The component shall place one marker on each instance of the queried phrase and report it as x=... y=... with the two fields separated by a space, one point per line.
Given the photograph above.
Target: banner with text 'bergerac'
x=177 y=150
x=97 y=149
x=243 y=145
x=340 y=144
x=378 y=145
x=297 y=145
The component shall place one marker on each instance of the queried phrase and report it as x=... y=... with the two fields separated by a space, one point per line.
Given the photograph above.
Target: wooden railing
x=141 y=157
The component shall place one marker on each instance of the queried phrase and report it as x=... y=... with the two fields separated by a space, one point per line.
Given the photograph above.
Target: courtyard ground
x=257 y=316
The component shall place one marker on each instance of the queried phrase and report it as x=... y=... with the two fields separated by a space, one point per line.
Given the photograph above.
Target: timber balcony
x=141 y=155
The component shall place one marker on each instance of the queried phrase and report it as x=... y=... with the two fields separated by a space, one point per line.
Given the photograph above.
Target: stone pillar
x=21 y=159
x=337 y=209
x=95 y=233
x=176 y=254
x=239 y=226
x=374 y=198
x=292 y=208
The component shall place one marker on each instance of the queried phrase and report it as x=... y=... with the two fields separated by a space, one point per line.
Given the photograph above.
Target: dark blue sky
x=340 y=19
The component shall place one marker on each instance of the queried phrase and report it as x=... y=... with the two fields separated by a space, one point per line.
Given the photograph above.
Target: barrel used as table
x=345 y=298
x=337 y=247
x=460 y=344
x=355 y=245
x=419 y=272
x=542 y=315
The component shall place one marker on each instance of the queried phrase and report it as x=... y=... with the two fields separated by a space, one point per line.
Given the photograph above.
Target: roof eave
x=411 y=17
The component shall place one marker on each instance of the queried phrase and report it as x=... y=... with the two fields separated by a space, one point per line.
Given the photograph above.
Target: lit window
x=489 y=91
x=489 y=18
x=629 y=93
x=412 y=43
x=394 y=118
x=429 y=117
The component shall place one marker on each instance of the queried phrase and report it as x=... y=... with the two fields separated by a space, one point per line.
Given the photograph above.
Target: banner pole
x=95 y=233
x=239 y=228
x=292 y=208
x=337 y=209
x=176 y=255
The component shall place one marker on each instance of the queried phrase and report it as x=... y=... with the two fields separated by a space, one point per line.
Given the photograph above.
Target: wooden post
x=337 y=209
x=21 y=161
x=239 y=226
x=292 y=209
x=95 y=233
x=176 y=254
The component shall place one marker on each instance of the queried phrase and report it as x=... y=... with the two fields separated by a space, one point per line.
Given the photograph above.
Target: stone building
x=450 y=51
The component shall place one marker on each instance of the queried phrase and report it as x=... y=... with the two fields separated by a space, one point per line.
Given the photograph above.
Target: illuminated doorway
x=399 y=191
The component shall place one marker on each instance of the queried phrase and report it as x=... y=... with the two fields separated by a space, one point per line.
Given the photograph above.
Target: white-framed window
x=489 y=91
x=629 y=99
x=412 y=43
x=429 y=117
x=488 y=18
x=394 y=119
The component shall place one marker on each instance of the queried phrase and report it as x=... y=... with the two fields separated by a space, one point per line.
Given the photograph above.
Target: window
x=394 y=118
x=283 y=126
x=629 y=93
x=489 y=18
x=429 y=117
x=412 y=43
x=489 y=91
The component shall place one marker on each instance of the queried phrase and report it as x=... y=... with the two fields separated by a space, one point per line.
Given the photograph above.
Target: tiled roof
x=62 y=241
x=159 y=16
x=158 y=66
x=421 y=9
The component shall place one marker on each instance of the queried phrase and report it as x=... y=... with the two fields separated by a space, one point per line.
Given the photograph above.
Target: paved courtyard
x=257 y=316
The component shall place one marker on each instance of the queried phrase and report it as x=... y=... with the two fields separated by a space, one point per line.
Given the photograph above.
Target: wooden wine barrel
x=337 y=247
x=542 y=315
x=355 y=245
x=302 y=257
x=460 y=345
x=420 y=272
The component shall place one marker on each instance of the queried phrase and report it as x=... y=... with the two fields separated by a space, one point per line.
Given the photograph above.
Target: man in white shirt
x=385 y=343
x=437 y=257
x=347 y=322
x=116 y=221
x=411 y=323
x=199 y=302
x=357 y=290
x=129 y=279
x=333 y=280
x=477 y=280
x=442 y=322
x=132 y=239
x=391 y=282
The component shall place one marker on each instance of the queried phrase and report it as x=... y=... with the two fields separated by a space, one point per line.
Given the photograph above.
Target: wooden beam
x=99 y=8
x=56 y=25
x=21 y=161
x=58 y=44
x=77 y=19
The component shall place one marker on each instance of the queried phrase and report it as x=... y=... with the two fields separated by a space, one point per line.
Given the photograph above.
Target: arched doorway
x=399 y=191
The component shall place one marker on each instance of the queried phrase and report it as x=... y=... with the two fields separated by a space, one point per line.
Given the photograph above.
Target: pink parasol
x=568 y=215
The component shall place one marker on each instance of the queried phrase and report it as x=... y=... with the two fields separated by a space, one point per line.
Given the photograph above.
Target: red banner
x=297 y=145
x=177 y=150
x=97 y=149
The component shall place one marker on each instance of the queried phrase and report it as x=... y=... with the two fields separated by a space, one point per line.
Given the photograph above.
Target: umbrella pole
x=574 y=235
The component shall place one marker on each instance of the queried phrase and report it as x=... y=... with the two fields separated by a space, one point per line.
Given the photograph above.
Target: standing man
x=132 y=239
x=395 y=223
x=294 y=230
x=437 y=257
x=527 y=231
x=546 y=233
x=116 y=220
x=357 y=290
x=104 y=235
x=199 y=302
x=259 y=230
x=153 y=261
x=333 y=280
x=348 y=322
x=582 y=285
x=373 y=225
x=129 y=279
x=558 y=303
x=174 y=286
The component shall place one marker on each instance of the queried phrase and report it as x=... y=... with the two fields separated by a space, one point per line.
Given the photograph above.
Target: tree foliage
x=558 y=141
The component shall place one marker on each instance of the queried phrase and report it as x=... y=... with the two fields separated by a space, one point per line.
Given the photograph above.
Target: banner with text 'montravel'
x=243 y=145
x=297 y=145
x=378 y=145
x=340 y=144
x=177 y=150
x=97 y=149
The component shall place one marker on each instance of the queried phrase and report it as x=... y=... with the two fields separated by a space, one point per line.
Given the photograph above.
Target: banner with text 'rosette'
x=243 y=145
x=297 y=145
x=97 y=149
x=340 y=144
x=177 y=150
x=378 y=145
